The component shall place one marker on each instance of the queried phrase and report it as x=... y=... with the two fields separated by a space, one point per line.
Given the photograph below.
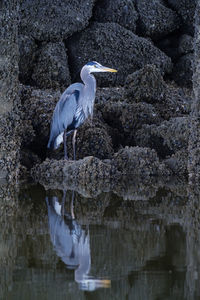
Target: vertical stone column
x=9 y=140
x=194 y=141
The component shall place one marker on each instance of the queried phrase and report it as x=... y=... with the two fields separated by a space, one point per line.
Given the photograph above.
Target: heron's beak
x=105 y=69
x=106 y=282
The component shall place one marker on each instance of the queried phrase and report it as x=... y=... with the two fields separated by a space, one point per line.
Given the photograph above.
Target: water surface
x=60 y=245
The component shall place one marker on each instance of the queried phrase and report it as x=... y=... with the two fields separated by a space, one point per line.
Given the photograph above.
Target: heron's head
x=94 y=66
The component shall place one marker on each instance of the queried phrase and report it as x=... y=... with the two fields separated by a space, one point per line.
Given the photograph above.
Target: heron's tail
x=50 y=144
x=54 y=142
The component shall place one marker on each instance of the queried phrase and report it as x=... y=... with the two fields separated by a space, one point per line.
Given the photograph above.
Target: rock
x=134 y=115
x=38 y=107
x=155 y=19
x=176 y=102
x=83 y=171
x=186 y=9
x=28 y=159
x=185 y=44
x=137 y=161
x=146 y=84
x=51 y=68
x=182 y=71
x=108 y=94
x=130 y=161
x=116 y=11
x=93 y=140
x=178 y=162
x=167 y=138
x=117 y=47
x=168 y=99
x=169 y=45
x=27 y=51
x=127 y=118
x=46 y=20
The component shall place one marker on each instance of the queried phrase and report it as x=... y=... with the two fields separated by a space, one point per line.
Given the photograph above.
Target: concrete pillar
x=194 y=141
x=9 y=99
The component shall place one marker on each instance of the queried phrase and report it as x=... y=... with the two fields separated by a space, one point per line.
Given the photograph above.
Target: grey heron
x=74 y=107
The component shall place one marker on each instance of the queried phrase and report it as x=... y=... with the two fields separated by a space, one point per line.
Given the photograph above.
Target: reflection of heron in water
x=72 y=243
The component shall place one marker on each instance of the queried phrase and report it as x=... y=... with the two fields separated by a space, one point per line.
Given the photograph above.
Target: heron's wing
x=64 y=113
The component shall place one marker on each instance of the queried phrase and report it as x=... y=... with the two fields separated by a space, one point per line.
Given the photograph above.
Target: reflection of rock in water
x=8 y=251
x=72 y=243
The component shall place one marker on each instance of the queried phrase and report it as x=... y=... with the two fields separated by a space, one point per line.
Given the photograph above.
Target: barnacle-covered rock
x=47 y=20
x=51 y=67
x=167 y=138
x=155 y=19
x=117 y=47
x=146 y=84
x=122 y=12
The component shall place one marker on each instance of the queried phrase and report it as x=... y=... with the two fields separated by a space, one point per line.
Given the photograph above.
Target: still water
x=58 y=244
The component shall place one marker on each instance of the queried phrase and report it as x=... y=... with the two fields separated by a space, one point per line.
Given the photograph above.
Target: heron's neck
x=88 y=79
x=89 y=91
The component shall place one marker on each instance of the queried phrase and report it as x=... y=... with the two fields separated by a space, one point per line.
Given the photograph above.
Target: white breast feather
x=59 y=140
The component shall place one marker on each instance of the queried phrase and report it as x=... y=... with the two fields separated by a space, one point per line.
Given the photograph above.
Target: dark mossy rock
x=185 y=44
x=38 y=107
x=117 y=47
x=183 y=70
x=122 y=12
x=139 y=161
x=178 y=162
x=108 y=94
x=146 y=84
x=83 y=170
x=186 y=9
x=47 y=20
x=133 y=116
x=27 y=52
x=93 y=140
x=155 y=19
x=28 y=159
x=176 y=102
x=90 y=171
x=129 y=117
x=125 y=119
x=168 y=99
x=169 y=45
x=51 y=67
x=167 y=138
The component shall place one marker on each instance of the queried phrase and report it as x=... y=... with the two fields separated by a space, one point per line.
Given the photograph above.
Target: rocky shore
x=141 y=124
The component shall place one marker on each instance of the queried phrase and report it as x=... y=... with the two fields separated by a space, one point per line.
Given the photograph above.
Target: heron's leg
x=63 y=203
x=74 y=143
x=65 y=144
x=72 y=206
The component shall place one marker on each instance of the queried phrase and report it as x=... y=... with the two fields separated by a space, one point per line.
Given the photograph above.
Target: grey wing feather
x=64 y=113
